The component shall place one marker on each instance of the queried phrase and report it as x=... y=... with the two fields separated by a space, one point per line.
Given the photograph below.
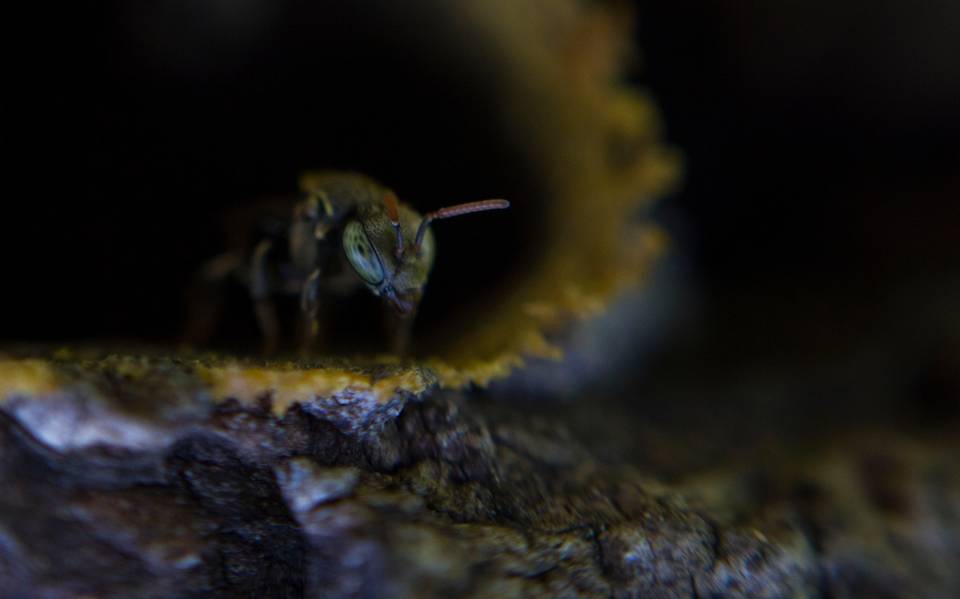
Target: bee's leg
x=260 y=293
x=205 y=298
x=399 y=331
x=309 y=305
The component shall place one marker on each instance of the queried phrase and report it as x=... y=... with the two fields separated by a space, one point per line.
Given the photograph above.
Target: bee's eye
x=428 y=248
x=360 y=253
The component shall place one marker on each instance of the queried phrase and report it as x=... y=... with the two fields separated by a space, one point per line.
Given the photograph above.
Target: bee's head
x=391 y=247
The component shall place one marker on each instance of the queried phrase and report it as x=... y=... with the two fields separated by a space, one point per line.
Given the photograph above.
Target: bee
x=345 y=232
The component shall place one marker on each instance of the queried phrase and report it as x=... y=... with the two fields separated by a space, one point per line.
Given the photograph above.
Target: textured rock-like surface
x=442 y=495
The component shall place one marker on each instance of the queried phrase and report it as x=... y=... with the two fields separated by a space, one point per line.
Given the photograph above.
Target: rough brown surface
x=449 y=495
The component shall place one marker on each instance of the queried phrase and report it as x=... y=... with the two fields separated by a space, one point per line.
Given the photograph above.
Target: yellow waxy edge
x=289 y=387
x=31 y=377
x=38 y=379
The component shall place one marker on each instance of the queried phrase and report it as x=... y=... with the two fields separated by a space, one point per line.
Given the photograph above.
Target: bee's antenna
x=393 y=212
x=469 y=207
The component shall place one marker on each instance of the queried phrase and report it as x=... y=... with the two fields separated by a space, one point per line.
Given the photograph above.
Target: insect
x=345 y=232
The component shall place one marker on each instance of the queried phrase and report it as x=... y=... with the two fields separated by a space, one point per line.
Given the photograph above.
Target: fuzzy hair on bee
x=345 y=232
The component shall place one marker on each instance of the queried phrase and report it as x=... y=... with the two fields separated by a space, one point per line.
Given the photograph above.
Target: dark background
x=818 y=214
